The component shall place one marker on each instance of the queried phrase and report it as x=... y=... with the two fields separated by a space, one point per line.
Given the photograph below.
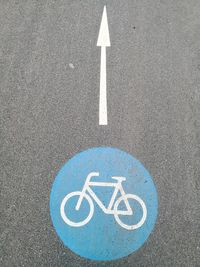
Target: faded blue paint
x=102 y=238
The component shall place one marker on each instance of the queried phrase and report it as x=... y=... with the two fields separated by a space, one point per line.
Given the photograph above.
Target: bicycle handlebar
x=92 y=174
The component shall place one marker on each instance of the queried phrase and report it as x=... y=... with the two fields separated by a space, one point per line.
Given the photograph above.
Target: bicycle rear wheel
x=142 y=206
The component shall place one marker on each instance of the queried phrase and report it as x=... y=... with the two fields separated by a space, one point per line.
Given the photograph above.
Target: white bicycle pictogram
x=113 y=207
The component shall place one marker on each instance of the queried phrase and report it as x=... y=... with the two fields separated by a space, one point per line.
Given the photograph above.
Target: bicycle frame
x=108 y=210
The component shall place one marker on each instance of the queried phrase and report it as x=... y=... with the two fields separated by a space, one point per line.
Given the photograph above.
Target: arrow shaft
x=103 y=118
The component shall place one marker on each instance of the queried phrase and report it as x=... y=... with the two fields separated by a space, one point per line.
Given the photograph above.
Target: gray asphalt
x=49 y=82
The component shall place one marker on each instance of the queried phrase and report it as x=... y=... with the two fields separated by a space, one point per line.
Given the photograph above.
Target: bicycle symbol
x=113 y=207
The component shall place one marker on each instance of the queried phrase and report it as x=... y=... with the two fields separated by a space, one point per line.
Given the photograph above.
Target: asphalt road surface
x=49 y=90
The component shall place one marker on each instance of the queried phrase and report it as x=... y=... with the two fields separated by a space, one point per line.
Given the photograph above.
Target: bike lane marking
x=103 y=204
x=103 y=41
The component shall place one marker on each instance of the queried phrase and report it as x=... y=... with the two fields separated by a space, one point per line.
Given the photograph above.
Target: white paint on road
x=71 y=65
x=103 y=41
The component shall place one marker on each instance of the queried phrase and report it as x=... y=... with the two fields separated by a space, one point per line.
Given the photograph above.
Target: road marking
x=103 y=195
x=113 y=207
x=103 y=204
x=103 y=41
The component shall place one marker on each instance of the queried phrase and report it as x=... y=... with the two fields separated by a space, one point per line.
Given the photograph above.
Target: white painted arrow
x=103 y=41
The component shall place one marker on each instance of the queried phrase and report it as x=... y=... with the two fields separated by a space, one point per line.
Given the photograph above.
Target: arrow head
x=104 y=38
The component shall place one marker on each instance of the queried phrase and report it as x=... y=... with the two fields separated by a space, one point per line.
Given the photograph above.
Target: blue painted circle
x=90 y=231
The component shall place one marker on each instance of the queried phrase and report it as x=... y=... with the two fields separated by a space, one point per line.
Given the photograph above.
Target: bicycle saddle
x=119 y=178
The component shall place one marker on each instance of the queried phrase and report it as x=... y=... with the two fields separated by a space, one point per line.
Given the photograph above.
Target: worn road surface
x=49 y=90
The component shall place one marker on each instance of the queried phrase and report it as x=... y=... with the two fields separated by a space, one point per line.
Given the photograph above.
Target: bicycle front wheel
x=65 y=217
x=142 y=205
